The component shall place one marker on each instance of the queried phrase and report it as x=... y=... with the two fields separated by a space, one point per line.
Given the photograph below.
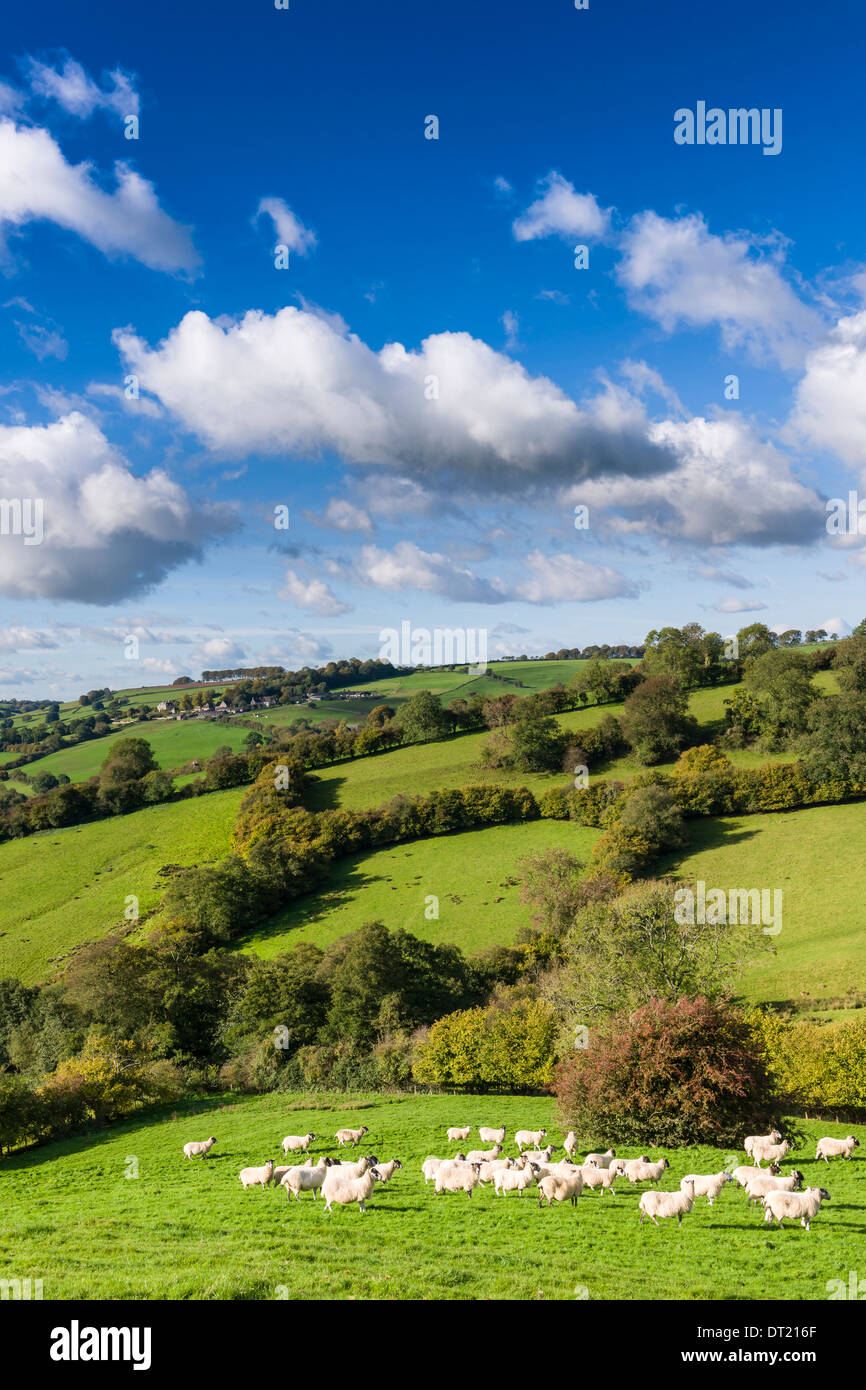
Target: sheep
x=387 y=1170
x=619 y=1165
x=774 y=1153
x=758 y=1188
x=197 y=1149
x=484 y=1155
x=639 y=1170
x=557 y=1170
x=487 y=1171
x=569 y=1143
x=458 y=1177
x=529 y=1138
x=561 y=1187
x=539 y=1155
x=603 y=1160
x=430 y=1167
x=678 y=1204
x=744 y=1174
x=602 y=1178
x=357 y=1169
x=707 y=1185
x=491 y=1136
x=343 y=1190
x=751 y=1139
x=253 y=1177
x=297 y=1143
x=514 y=1179
x=304 y=1177
x=457 y=1134
x=351 y=1136
x=836 y=1148
x=778 y=1205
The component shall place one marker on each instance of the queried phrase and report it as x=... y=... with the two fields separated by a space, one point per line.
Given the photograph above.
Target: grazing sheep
x=344 y=1191
x=387 y=1170
x=430 y=1167
x=758 y=1188
x=557 y=1169
x=561 y=1187
x=529 y=1138
x=484 y=1155
x=297 y=1143
x=357 y=1169
x=744 y=1174
x=773 y=1153
x=304 y=1177
x=255 y=1177
x=539 y=1155
x=639 y=1170
x=678 y=1204
x=778 y=1205
x=603 y=1160
x=752 y=1139
x=491 y=1136
x=618 y=1165
x=836 y=1148
x=456 y=1134
x=488 y=1171
x=351 y=1136
x=569 y=1143
x=514 y=1179
x=602 y=1178
x=199 y=1149
x=458 y=1177
x=707 y=1185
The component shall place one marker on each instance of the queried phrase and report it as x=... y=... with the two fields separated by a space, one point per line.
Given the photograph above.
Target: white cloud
x=314 y=595
x=838 y=626
x=217 y=654
x=511 y=323
x=342 y=515
x=74 y=90
x=297 y=648
x=21 y=639
x=560 y=211
x=678 y=273
x=290 y=231
x=37 y=184
x=830 y=400
x=135 y=405
x=738 y=605
x=406 y=566
x=107 y=534
x=568 y=579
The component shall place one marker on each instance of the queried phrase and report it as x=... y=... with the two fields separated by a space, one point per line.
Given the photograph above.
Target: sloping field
x=173 y=742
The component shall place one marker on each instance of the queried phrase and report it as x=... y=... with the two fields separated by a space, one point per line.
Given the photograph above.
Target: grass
x=186 y=1230
x=174 y=743
x=63 y=887
x=472 y=874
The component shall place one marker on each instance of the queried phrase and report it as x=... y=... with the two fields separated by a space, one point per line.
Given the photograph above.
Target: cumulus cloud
x=292 y=383
x=565 y=578
x=217 y=654
x=560 y=211
x=830 y=400
x=22 y=639
x=738 y=605
x=678 y=273
x=290 y=231
x=342 y=515
x=297 y=648
x=313 y=595
x=135 y=405
x=107 y=534
x=73 y=89
x=406 y=566
x=37 y=184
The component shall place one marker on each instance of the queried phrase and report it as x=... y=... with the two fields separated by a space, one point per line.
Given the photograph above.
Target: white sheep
x=836 y=1148
x=351 y=1136
x=514 y=1180
x=458 y=1177
x=484 y=1155
x=303 y=1177
x=569 y=1143
x=356 y=1169
x=297 y=1143
x=602 y=1178
x=778 y=1205
x=639 y=1170
x=561 y=1187
x=539 y=1155
x=430 y=1167
x=678 y=1204
x=199 y=1149
x=255 y=1177
x=707 y=1185
x=752 y=1139
x=456 y=1134
x=744 y=1174
x=772 y=1153
x=387 y=1170
x=603 y=1160
x=344 y=1190
x=529 y=1138
x=491 y=1136
x=487 y=1171
x=619 y=1165
x=758 y=1188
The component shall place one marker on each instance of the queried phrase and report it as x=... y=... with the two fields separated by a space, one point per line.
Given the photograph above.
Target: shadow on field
x=705 y=833
x=324 y=795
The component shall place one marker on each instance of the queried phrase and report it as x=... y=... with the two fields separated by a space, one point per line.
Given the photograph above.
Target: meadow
x=124 y=1215
x=174 y=743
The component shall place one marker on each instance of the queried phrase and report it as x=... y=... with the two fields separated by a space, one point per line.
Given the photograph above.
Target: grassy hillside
x=472 y=874
x=62 y=887
x=173 y=742
x=158 y=1226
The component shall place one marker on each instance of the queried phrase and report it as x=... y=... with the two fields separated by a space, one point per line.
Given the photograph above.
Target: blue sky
x=430 y=385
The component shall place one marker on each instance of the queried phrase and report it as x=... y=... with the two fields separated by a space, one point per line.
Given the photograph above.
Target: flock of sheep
x=343 y=1182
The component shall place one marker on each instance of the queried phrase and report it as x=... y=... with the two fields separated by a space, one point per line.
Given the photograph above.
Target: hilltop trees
x=422 y=718
x=655 y=720
x=128 y=760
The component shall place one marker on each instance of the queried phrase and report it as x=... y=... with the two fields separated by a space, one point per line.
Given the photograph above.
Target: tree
x=676 y=652
x=655 y=720
x=128 y=760
x=781 y=683
x=754 y=640
x=536 y=740
x=837 y=738
x=850 y=662
x=422 y=718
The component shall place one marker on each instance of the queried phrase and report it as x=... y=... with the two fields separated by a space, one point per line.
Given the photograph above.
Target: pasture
x=122 y=1214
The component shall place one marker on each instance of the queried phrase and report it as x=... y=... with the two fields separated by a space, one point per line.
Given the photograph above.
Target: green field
x=174 y=743
x=472 y=874
x=63 y=887
x=76 y=1217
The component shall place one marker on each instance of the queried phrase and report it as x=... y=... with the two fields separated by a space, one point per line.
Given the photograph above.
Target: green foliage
x=655 y=720
x=505 y=1047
